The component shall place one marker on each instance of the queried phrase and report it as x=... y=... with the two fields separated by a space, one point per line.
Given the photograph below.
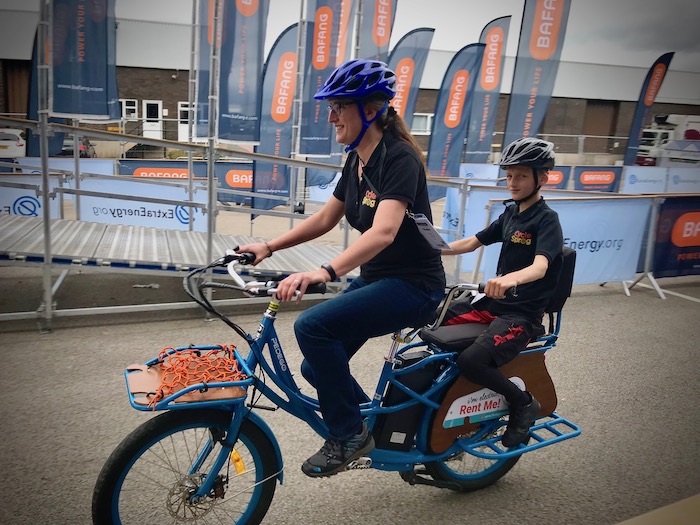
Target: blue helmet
x=358 y=79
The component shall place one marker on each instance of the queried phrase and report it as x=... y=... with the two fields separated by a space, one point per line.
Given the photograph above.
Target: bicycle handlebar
x=194 y=285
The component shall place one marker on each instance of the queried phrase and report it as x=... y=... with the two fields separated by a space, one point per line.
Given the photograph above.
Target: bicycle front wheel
x=151 y=475
x=466 y=472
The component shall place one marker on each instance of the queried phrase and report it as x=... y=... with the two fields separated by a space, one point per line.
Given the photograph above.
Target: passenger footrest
x=546 y=431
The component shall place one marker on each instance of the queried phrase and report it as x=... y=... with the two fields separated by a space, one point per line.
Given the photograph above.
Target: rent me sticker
x=478 y=406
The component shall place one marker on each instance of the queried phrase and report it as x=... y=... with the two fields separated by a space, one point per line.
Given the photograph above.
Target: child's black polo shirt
x=536 y=231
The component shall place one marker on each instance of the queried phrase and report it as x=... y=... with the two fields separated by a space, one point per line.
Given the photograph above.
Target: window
x=422 y=123
x=129 y=109
x=183 y=112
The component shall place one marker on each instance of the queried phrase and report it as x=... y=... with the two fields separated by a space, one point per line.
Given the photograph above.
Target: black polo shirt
x=536 y=231
x=396 y=173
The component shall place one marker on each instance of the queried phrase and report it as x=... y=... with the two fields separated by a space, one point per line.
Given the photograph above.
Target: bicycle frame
x=307 y=408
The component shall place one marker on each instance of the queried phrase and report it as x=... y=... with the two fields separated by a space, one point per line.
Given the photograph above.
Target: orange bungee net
x=190 y=367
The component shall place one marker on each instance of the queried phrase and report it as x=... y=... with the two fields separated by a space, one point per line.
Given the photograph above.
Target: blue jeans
x=330 y=333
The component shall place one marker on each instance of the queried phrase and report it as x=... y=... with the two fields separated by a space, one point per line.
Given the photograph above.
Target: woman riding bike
x=402 y=279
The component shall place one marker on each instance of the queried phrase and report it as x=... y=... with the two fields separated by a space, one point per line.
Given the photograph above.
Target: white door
x=152 y=119
x=182 y=116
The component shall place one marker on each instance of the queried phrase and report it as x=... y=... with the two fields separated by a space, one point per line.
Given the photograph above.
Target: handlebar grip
x=246 y=258
x=510 y=292
x=316 y=288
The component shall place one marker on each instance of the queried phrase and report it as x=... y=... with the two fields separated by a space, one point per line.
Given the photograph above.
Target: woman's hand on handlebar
x=298 y=282
x=499 y=286
x=260 y=249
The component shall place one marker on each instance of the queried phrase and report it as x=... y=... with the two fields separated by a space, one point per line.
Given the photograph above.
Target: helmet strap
x=365 y=124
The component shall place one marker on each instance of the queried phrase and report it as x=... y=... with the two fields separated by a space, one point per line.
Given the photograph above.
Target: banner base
x=653 y=282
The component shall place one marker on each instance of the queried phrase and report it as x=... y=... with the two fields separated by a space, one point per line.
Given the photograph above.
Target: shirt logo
x=370 y=199
x=521 y=238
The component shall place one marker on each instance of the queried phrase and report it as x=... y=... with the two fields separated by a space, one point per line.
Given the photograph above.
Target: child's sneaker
x=521 y=418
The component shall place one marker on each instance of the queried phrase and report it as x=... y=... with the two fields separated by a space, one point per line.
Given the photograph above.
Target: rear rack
x=547 y=431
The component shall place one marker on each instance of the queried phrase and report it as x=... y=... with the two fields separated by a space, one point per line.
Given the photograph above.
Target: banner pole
x=463 y=191
x=213 y=106
x=191 y=84
x=43 y=84
x=296 y=123
x=76 y=161
x=480 y=255
x=649 y=255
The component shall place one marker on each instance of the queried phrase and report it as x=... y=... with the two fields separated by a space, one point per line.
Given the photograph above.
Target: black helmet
x=532 y=152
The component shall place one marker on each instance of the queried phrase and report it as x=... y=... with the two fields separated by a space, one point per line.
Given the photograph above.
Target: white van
x=12 y=143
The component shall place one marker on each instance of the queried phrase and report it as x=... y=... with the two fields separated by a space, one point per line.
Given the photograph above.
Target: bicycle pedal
x=360 y=463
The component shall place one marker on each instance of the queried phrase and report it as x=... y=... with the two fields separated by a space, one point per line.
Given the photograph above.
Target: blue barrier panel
x=97 y=166
x=606 y=234
x=478 y=171
x=229 y=175
x=597 y=178
x=322 y=192
x=683 y=180
x=643 y=179
x=6 y=169
x=677 y=247
x=139 y=213
x=558 y=178
x=25 y=202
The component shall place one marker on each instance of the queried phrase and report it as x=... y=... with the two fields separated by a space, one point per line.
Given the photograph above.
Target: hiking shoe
x=521 y=418
x=335 y=455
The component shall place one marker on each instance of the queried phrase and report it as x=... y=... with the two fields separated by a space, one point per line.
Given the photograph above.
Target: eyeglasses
x=336 y=108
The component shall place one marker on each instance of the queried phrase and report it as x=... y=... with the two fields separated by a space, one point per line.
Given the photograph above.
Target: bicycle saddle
x=455 y=338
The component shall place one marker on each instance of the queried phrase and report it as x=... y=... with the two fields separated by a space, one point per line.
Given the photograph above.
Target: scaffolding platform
x=139 y=248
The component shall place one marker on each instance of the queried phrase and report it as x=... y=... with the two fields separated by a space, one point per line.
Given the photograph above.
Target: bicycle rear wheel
x=466 y=472
x=149 y=477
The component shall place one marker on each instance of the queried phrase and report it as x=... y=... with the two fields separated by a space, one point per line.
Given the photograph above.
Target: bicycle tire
x=466 y=473
x=145 y=479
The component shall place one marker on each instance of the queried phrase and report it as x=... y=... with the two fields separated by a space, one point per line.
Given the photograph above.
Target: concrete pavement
x=626 y=371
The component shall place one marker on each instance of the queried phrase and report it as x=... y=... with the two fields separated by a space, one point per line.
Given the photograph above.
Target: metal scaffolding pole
x=213 y=115
x=43 y=91
x=191 y=85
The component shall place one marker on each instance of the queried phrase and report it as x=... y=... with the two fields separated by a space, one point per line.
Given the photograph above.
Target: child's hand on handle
x=498 y=287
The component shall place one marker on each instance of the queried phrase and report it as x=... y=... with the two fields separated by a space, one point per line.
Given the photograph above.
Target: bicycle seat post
x=396 y=339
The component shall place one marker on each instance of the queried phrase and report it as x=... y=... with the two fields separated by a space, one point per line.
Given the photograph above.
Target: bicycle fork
x=227 y=442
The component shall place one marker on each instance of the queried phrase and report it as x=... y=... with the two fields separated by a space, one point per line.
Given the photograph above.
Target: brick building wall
x=565 y=116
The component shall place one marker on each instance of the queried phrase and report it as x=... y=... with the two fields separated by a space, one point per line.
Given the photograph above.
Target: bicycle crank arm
x=412 y=478
x=360 y=463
